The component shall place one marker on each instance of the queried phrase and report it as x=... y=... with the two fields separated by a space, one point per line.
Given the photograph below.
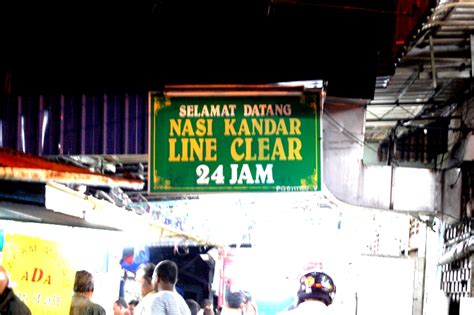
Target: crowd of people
x=158 y=295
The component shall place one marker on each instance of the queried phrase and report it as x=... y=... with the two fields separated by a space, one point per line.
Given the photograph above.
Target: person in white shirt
x=143 y=277
x=166 y=301
x=315 y=295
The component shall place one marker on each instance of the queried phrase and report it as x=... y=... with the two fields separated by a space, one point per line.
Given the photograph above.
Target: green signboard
x=234 y=140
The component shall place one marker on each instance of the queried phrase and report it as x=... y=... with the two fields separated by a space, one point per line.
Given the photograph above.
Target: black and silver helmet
x=316 y=285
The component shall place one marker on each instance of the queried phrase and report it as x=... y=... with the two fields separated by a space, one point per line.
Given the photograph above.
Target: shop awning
x=19 y=166
x=39 y=214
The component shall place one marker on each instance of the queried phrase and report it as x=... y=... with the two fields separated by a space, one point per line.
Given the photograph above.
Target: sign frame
x=235 y=138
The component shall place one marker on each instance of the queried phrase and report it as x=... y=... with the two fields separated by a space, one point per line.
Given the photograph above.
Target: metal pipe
x=472 y=54
x=382 y=103
x=409 y=119
x=450 y=6
x=433 y=65
x=458 y=251
x=458 y=23
x=424 y=271
x=441 y=12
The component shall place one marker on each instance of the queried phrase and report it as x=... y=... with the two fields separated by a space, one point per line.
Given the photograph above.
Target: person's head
x=208 y=311
x=247 y=296
x=119 y=306
x=4 y=280
x=206 y=303
x=316 y=285
x=144 y=276
x=235 y=299
x=248 y=306
x=84 y=282
x=131 y=306
x=165 y=275
x=193 y=306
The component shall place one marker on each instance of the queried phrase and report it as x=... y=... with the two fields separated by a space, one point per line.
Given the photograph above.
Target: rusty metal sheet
x=16 y=165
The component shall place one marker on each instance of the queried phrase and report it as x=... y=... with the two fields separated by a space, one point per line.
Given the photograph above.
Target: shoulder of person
x=19 y=307
x=95 y=309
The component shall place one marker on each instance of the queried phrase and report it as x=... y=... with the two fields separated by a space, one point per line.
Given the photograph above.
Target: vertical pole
x=40 y=133
x=433 y=65
x=83 y=124
x=356 y=303
x=19 y=126
x=127 y=124
x=472 y=54
x=424 y=270
x=470 y=275
x=61 y=128
x=104 y=126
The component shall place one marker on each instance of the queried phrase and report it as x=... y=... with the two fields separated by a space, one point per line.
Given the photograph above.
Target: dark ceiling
x=107 y=46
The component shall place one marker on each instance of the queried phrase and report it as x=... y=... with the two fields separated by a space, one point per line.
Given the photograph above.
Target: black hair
x=167 y=271
x=235 y=299
x=148 y=269
x=121 y=302
x=133 y=302
x=205 y=302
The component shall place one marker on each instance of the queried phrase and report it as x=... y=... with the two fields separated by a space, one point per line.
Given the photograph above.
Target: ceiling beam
x=410 y=119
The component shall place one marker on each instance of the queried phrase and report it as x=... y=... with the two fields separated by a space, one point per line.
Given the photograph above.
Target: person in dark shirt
x=81 y=303
x=10 y=304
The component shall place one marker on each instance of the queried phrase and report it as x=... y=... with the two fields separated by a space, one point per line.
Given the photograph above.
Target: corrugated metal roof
x=433 y=73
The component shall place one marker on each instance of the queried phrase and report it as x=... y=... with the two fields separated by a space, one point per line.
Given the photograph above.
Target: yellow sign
x=43 y=276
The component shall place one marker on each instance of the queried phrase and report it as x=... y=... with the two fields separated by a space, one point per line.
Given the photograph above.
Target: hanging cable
x=347 y=132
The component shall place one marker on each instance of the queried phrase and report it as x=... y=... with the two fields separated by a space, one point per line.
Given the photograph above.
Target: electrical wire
x=347 y=132
x=341 y=7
